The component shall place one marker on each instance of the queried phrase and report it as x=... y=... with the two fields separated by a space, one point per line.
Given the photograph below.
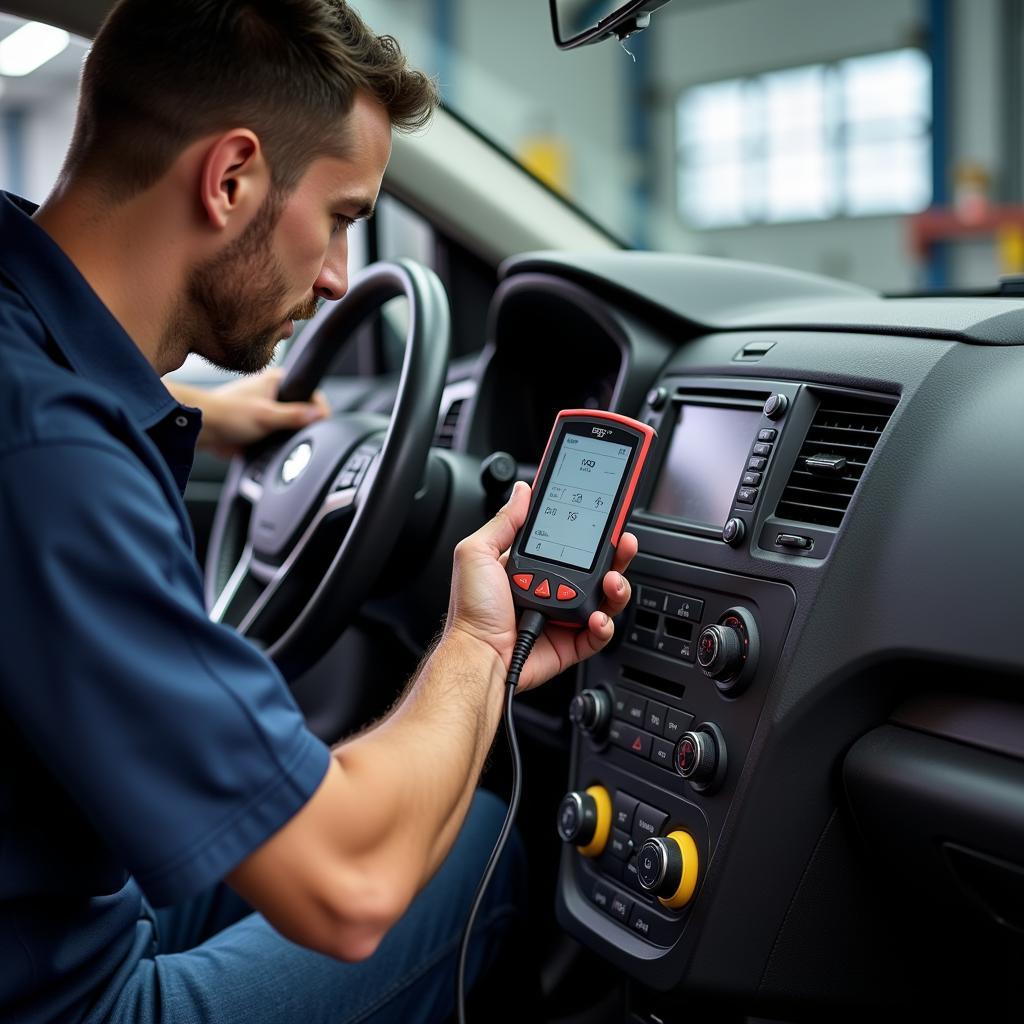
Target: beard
x=231 y=312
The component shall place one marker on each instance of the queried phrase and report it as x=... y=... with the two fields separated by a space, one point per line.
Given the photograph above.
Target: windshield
x=868 y=142
x=805 y=133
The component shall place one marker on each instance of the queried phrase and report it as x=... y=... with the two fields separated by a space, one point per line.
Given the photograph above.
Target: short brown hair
x=162 y=74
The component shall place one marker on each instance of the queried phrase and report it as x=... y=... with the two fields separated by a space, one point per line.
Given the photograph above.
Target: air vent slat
x=445 y=436
x=842 y=426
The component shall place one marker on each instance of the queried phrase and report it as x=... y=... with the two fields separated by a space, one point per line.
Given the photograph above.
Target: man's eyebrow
x=364 y=208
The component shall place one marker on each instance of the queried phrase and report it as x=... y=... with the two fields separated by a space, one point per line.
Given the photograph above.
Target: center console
x=664 y=719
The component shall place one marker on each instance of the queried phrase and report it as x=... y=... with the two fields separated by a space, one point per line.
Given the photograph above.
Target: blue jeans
x=219 y=963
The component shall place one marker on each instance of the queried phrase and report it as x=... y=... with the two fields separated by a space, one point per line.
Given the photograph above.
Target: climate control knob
x=697 y=757
x=585 y=819
x=591 y=711
x=667 y=867
x=720 y=651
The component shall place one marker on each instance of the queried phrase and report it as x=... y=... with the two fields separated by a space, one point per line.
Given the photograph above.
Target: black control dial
x=591 y=711
x=666 y=867
x=728 y=650
x=585 y=818
x=720 y=651
x=697 y=757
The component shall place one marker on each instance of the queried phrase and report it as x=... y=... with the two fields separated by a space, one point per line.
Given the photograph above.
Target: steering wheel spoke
x=305 y=525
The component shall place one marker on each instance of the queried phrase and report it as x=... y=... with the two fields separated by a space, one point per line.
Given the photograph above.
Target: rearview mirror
x=579 y=22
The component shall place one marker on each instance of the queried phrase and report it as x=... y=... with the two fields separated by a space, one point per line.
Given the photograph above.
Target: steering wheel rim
x=282 y=494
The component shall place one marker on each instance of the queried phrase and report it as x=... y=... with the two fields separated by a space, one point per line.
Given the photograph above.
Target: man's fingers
x=596 y=636
x=625 y=552
x=289 y=415
x=498 y=533
x=617 y=591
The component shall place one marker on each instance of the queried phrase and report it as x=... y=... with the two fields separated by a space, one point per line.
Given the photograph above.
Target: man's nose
x=332 y=281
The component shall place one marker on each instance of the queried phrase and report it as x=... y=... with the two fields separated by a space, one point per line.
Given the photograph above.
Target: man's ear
x=234 y=178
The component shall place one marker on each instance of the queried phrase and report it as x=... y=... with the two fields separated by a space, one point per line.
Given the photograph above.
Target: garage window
x=851 y=138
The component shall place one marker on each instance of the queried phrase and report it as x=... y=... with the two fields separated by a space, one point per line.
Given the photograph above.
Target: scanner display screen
x=579 y=494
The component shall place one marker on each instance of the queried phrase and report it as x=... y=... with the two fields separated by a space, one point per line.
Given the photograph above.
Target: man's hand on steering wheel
x=242 y=412
x=481 y=601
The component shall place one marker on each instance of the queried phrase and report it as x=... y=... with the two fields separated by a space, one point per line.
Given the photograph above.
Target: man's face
x=241 y=302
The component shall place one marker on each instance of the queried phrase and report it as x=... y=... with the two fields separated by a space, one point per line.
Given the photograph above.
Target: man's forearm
x=414 y=774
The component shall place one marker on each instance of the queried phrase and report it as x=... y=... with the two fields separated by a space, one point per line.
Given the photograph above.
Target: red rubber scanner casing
x=543 y=581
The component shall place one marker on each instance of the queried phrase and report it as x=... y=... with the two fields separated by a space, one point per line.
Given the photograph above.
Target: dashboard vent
x=832 y=460
x=445 y=436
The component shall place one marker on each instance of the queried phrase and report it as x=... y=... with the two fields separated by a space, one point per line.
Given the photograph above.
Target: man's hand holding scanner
x=481 y=604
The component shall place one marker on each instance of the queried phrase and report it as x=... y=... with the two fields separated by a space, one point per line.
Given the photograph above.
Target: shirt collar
x=86 y=332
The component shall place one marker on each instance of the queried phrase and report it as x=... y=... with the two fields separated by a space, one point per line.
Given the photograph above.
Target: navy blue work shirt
x=143 y=748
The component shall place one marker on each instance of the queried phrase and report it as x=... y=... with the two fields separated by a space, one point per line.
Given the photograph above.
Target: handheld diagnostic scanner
x=582 y=496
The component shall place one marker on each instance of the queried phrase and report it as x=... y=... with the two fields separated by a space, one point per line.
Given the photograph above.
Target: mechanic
x=148 y=755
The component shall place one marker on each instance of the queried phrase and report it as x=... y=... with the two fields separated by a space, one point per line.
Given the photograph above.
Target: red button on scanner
x=543 y=590
x=565 y=593
x=523 y=580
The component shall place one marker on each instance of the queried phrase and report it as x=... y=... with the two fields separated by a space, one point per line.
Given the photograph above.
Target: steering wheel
x=306 y=522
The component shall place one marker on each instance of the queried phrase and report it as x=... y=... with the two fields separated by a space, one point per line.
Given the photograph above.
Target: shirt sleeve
x=179 y=740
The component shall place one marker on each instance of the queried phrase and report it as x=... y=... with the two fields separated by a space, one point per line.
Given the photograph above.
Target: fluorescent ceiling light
x=29 y=47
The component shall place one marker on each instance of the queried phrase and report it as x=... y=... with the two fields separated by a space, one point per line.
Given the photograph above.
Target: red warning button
x=565 y=593
x=543 y=590
x=523 y=580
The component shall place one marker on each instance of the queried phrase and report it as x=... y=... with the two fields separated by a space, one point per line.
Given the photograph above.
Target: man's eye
x=341 y=223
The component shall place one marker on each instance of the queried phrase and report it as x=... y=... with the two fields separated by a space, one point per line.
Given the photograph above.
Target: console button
x=523 y=580
x=683 y=607
x=655 y=721
x=663 y=753
x=651 y=599
x=763 y=449
x=620 y=907
x=676 y=723
x=620 y=845
x=649 y=926
x=747 y=495
x=623 y=808
x=767 y=434
x=649 y=821
x=775 y=406
x=601 y=895
x=619 y=703
x=751 y=479
x=641 y=637
x=630 y=876
x=674 y=648
x=628 y=738
x=564 y=593
x=757 y=463
x=544 y=590
x=635 y=710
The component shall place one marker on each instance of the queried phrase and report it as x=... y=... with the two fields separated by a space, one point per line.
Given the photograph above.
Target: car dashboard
x=817 y=679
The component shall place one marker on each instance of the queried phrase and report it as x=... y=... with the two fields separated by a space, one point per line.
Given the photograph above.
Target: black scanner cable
x=531 y=625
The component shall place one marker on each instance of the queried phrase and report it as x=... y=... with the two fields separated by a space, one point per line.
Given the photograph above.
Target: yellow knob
x=688 y=875
x=602 y=823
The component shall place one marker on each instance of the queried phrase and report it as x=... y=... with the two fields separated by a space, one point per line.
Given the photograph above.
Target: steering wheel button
x=544 y=590
x=564 y=593
x=523 y=580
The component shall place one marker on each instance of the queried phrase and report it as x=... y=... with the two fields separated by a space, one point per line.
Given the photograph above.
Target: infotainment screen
x=706 y=456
